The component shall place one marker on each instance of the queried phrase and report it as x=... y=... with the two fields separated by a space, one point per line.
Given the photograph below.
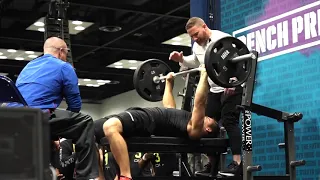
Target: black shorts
x=98 y=129
x=134 y=122
x=219 y=105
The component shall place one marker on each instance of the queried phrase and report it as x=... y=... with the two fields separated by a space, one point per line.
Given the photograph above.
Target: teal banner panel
x=286 y=33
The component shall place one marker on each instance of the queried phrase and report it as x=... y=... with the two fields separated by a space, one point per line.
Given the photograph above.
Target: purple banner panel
x=291 y=31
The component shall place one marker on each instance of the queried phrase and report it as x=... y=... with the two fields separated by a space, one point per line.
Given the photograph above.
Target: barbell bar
x=157 y=79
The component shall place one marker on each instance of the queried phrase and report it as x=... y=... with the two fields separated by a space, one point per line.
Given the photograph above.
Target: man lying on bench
x=158 y=121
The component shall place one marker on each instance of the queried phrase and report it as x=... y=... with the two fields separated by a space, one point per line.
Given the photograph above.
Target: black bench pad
x=173 y=144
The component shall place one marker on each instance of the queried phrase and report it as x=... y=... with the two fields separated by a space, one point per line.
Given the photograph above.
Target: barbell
x=157 y=79
x=226 y=59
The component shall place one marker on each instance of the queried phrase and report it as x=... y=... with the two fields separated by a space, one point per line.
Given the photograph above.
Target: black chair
x=9 y=92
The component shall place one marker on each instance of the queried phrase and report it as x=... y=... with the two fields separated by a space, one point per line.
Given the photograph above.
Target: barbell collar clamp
x=156 y=79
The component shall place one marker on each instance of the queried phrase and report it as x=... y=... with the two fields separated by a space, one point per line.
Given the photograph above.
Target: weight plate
x=218 y=66
x=143 y=79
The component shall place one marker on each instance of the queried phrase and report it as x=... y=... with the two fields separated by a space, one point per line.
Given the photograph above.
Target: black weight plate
x=218 y=66
x=143 y=79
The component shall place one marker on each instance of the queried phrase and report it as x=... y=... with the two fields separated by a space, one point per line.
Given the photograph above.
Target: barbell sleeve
x=245 y=57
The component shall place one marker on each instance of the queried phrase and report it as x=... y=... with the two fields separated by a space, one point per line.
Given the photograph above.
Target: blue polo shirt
x=46 y=80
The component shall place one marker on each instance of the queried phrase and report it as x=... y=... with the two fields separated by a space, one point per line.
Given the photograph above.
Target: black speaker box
x=24 y=144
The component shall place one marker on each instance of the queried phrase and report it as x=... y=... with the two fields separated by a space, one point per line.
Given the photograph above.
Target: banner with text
x=286 y=33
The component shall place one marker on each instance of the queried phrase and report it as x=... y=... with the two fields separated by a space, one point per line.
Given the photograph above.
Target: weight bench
x=173 y=144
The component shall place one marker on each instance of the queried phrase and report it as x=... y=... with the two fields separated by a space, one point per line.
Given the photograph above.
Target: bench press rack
x=247 y=108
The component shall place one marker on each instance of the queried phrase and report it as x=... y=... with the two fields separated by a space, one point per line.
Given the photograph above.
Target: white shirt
x=197 y=57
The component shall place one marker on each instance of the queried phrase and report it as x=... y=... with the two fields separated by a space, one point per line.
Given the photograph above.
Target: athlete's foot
x=233 y=169
x=206 y=172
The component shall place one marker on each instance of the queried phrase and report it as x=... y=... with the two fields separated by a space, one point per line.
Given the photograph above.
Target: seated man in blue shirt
x=43 y=83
